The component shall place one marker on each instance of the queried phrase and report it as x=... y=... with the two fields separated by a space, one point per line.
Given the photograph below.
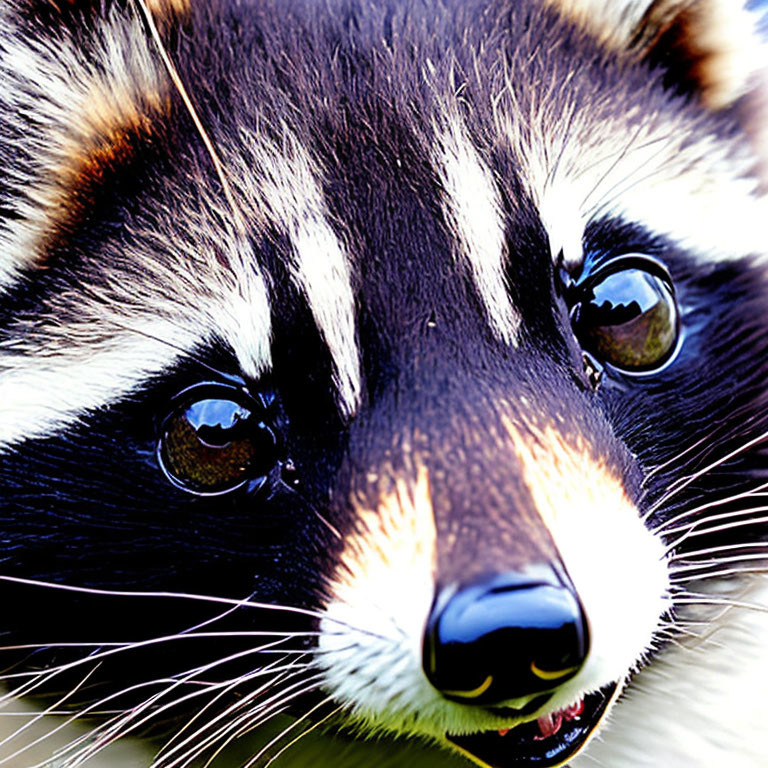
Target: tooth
x=574 y=710
x=549 y=725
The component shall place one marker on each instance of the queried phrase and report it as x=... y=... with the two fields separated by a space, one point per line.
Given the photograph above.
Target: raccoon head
x=400 y=364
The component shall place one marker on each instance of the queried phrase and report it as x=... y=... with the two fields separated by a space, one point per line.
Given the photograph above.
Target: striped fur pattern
x=362 y=218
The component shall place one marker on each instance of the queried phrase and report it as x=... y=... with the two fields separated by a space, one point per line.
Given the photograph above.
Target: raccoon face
x=399 y=365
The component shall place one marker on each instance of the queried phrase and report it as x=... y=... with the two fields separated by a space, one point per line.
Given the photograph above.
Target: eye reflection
x=214 y=444
x=628 y=317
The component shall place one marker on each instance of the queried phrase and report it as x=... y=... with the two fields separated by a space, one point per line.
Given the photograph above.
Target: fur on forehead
x=83 y=104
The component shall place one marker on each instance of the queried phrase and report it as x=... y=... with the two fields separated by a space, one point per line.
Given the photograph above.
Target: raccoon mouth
x=547 y=742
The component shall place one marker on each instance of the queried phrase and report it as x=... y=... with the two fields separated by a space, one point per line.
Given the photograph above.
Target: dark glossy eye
x=214 y=441
x=626 y=315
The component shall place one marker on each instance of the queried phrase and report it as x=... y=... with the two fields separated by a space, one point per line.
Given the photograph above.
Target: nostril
x=505 y=637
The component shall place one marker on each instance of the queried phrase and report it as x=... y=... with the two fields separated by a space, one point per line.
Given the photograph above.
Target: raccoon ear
x=708 y=49
x=711 y=50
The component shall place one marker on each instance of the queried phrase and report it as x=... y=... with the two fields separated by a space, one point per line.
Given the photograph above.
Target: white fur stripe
x=41 y=394
x=718 y=221
x=241 y=315
x=50 y=376
x=473 y=209
x=703 y=195
x=323 y=273
x=284 y=190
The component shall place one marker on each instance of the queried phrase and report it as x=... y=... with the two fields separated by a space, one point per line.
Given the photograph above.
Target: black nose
x=508 y=636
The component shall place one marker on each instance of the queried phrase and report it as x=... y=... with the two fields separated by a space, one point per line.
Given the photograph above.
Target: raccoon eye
x=213 y=441
x=626 y=314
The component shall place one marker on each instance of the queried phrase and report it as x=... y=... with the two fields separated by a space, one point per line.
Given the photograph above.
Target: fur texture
x=358 y=239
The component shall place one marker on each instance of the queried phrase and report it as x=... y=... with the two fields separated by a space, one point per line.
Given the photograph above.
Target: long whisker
x=692 y=598
x=710 y=441
x=228 y=732
x=105 y=731
x=173 y=682
x=297 y=738
x=121 y=647
x=716 y=574
x=248 y=603
x=173 y=744
x=270 y=707
x=712 y=519
x=41 y=715
x=686 y=567
x=190 y=675
x=677 y=457
x=678 y=487
x=753 y=493
x=683 y=556
x=694 y=531
x=136 y=717
x=253 y=720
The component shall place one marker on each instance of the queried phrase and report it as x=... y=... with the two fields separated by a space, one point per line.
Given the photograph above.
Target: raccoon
x=399 y=365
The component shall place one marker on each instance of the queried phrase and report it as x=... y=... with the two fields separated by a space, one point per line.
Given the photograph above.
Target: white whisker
x=128 y=722
x=693 y=599
x=244 y=723
x=266 y=710
x=762 y=545
x=685 y=567
x=284 y=673
x=38 y=717
x=685 y=482
x=300 y=736
x=163 y=595
x=753 y=493
x=714 y=518
x=694 y=531
x=116 y=727
x=716 y=574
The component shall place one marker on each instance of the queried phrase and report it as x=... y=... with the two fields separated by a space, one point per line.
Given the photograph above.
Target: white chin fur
x=701 y=703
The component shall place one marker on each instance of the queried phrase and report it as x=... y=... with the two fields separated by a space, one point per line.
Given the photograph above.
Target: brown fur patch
x=159 y=8
x=165 y=8
x=565 y=477
x=88 y=169
x=706 y=47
